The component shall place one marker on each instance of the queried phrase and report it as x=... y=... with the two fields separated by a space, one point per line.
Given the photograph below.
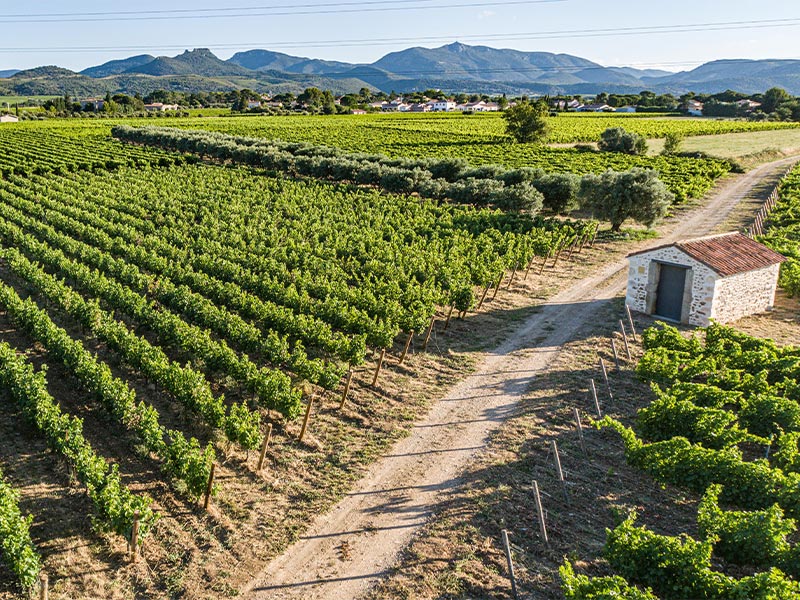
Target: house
x=595 y=108
x=418 y=107
x=442 y=105
x=625 y=109
x=160 y=107
x=93 y=103
x=253 y=104
x=378 y=105
x=574 y=104
x=720 y=277
x=358 y=111
x=480 y=106
x=747 y=104
x=694 y=108
x=8 y=119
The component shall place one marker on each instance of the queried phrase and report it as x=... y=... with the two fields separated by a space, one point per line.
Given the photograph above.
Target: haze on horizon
x=88 y=34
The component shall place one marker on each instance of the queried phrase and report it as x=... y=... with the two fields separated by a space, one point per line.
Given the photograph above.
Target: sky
x=364 y=30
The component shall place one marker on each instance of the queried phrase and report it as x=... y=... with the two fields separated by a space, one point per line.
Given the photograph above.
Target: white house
x=695 y=108
x=595 y=108
x=720 y=277
x=442 y=105
x=625 y=109
x=747 y=104
x=253 y=104
x=8 y=119
x=159 y=106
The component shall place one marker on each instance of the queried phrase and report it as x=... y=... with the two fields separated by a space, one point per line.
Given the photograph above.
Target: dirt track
x=352 y=546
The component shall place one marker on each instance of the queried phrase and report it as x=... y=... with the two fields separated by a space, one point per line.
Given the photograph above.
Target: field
x=429 y=136
x=169 y=321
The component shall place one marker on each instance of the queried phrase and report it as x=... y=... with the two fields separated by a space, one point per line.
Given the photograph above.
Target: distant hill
x=116 y=67
x=200 y=61
x=453 y=67
x=8 y=73
x=747 y=76
x=266 y=60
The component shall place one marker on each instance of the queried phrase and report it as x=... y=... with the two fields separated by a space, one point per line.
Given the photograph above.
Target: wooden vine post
x=614 y=350
x=449 y=314
x=546 y=258
x=346 y=387
x=596 y=401
x=210 y=486
x=483 y=297
x=605 y=376
x=540 y=512
x=44 y=586
x=630 y=320
x=594 y=237
x=511 y=576
x=576 y=413
x=306 y=419
x=625 y=339
x=428 y=333
x=408 y=345
x=497 y=287
x=134 y=541
x=559 y=470
x=511 y=279
x=263 y=453
x=378 y=366
x=528 y=270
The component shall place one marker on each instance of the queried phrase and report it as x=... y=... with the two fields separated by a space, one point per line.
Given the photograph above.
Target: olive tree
x=526 y=122
x=617 y=139
x=637 y=194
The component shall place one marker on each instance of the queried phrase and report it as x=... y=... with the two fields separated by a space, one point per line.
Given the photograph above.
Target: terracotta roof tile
x=727 y=254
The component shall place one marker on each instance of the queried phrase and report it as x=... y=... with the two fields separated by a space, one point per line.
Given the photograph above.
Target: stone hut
x=720 y=277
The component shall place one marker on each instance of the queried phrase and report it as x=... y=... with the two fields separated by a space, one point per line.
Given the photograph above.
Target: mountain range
x=454 y=67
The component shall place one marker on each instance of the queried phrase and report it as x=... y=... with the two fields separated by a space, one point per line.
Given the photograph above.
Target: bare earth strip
x=352 y=546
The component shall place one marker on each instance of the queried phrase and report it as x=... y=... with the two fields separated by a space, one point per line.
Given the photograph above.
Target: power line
x=291 y=10
x=488 y=37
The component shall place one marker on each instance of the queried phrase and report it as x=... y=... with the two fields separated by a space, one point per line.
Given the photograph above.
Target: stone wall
x=707 y=295
x=643 y=276
x=745 y=294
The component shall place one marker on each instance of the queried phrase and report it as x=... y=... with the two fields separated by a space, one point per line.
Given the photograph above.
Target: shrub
x=560 y=191
x=616 y=139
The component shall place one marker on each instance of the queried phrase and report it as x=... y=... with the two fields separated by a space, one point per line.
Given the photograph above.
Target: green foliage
x=581 y=587
x=783 y=231
x=16 y=548
x=757 y=538
x=115 y=504
x=526 y=122
x=636 y=194
x=617 y=139
x=672 y=143
x=674 y=567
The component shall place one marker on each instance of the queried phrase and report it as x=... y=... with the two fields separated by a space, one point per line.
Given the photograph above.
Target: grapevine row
x=185 y=384
x=181 y=458
x=273 y=388
x=16 y=548
x=116 y=505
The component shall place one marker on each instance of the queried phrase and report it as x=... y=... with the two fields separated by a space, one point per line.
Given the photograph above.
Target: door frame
x=653 y=279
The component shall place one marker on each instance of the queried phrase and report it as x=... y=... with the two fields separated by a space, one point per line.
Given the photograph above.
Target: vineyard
x=38 y=151
x=437 y=137
x=206 y=336
x=430 y=177
x=783 y=231
x=198 y=326
x=725 y=424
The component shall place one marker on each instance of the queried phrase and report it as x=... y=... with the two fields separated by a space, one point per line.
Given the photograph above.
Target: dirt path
x=349 y=548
